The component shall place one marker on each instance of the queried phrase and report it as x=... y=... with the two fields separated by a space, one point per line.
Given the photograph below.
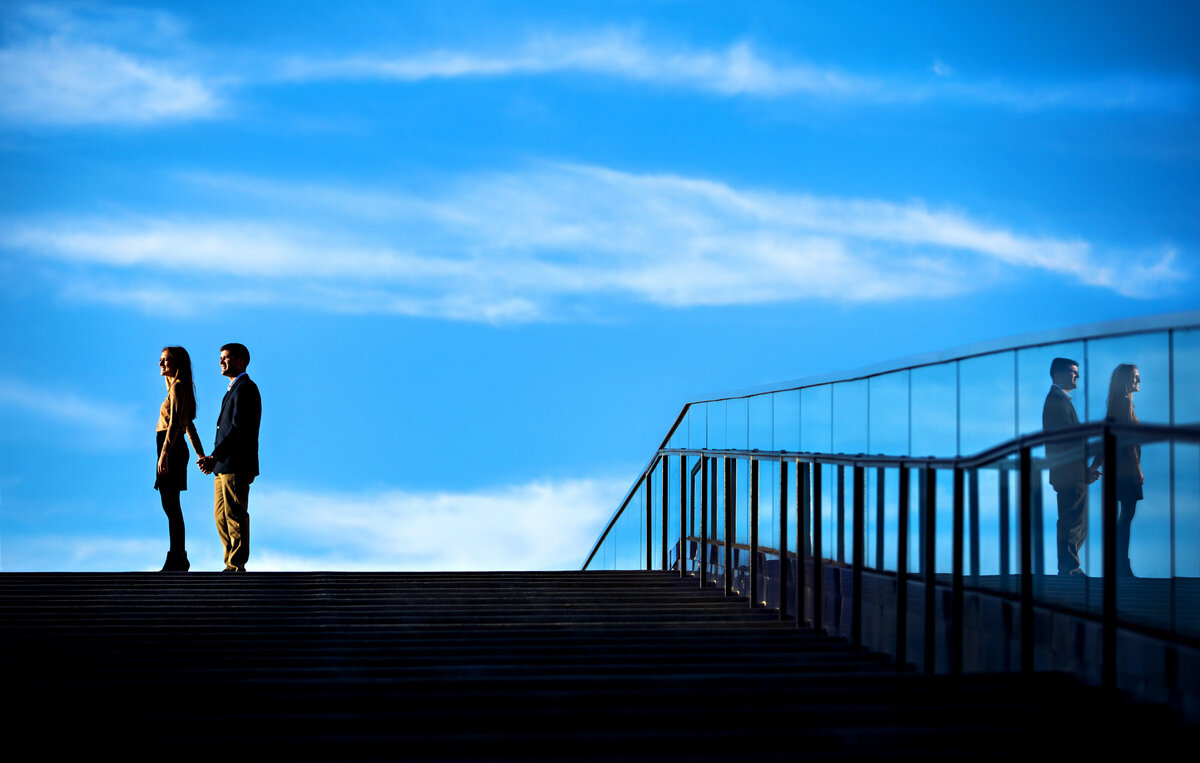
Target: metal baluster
x=859 y=549
x=956 y=577
x=703 y=521
x=929 y=551
x=784 y=564
x=902 y=569
x=1108 y=668
x=754 y=532
x=1025 y=504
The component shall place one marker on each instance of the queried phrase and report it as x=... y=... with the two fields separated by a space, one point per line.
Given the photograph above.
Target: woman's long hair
x=187 y=390
x=1120 y=394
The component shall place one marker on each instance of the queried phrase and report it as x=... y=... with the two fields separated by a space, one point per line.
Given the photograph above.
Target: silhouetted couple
x=1070 y=474
x=234 y=458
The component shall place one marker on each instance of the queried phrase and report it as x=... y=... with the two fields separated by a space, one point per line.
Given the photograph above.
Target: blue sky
x=482 y=252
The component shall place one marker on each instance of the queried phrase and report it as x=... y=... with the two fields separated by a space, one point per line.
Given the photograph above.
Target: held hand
x=1093 y=474
x=205 y=463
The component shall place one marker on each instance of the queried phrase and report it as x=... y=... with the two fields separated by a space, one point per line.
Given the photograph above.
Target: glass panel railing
x=940 y=410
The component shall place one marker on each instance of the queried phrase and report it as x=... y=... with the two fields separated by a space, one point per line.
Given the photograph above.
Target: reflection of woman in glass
x=176 y=418
x=1125 y=381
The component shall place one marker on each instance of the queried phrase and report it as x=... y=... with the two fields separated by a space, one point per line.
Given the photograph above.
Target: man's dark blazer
x=236 y=448
x=1067 y=463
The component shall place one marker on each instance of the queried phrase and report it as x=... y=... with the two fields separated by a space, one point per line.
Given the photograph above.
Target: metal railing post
x=1108 y=667
x=649 y=519
x=666 y=506
x=784 y=564
x=956 y=576
x=902 y=568
x=973 y=517
x=858 y=548
x=1037 y=522
x=704 y=521
x=683 y=499
x=818 y=584
x=754 y=532
x=880 y=530
x=929 y=552
x=713 y=507
x=1025 y=509
x=730 y=504
x=1005 y=519
x=802 y=524
x=841 y=513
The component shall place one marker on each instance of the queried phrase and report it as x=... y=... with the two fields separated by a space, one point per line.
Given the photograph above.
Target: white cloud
x=738 y=69
x=554 y=241
x=60 y=67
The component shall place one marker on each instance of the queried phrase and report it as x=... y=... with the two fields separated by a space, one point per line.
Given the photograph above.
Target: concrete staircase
x=495 y=666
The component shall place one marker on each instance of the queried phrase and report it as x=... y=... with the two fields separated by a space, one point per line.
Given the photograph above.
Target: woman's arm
x=194 y=436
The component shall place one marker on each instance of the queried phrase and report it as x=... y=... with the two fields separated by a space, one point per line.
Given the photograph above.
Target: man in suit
x=1069 y=473
x=234 y=457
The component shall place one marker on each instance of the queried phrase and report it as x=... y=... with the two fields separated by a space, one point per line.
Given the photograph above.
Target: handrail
x=1143 y=433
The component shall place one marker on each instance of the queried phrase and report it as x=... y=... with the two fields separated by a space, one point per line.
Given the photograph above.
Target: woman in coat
x=1125 y=381
x=176 y=419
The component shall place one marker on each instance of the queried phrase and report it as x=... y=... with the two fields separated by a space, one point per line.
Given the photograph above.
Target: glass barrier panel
x=698 y=425
x=1186 y=367
x=761 y=422
x=786 y=418
x=742 y=519
x=1113 y=364
x=1033 y=382
x=1185 y=533
x=987 y=401
x=889 y=414
x=850 y=416
x=737 y=423
x=934 y=410
x=717 y=425
x=816 y=419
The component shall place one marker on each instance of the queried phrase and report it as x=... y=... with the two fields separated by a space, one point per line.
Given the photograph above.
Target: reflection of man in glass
x=1069 y=473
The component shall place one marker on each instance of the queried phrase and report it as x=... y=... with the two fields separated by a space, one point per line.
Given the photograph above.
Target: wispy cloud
x=77 y=65
x=741 y=69
x=95 y=422
x=737 y=69
x=97 y=64
x=86 y=553
x=556 y=241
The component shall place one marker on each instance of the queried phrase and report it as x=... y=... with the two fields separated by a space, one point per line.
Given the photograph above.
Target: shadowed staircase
x=504 y=666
